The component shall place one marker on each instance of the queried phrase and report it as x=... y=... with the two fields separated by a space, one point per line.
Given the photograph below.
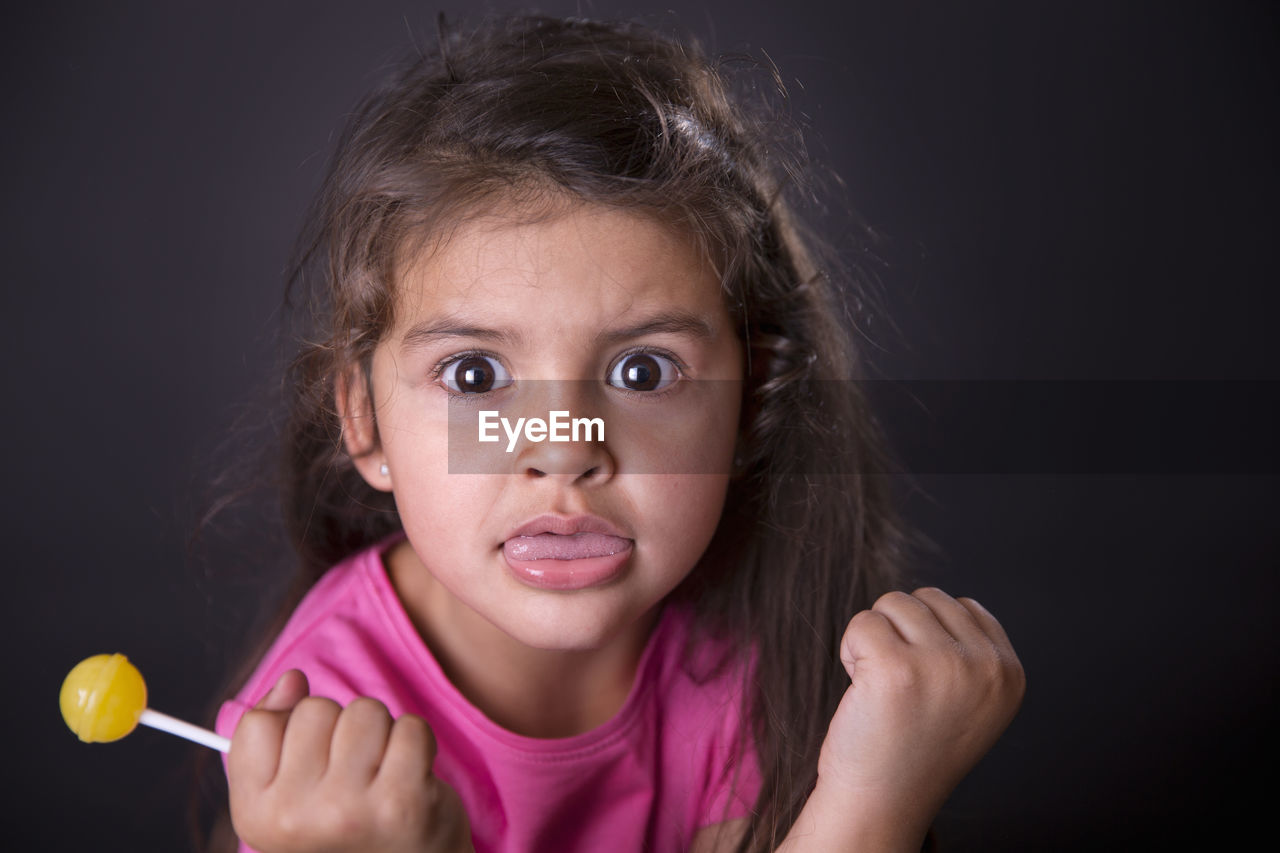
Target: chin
x=575 y=623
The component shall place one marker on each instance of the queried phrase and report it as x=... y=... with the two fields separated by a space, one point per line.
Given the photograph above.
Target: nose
x=574 y=445
x=573 y=448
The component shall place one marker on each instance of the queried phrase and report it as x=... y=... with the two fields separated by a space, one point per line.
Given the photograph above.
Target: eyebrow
x=427 y=333
x=672 y=322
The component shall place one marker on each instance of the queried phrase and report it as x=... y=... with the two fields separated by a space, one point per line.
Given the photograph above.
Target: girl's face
x=593 y=312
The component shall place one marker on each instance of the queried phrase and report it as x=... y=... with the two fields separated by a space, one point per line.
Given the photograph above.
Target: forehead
x=573 y=261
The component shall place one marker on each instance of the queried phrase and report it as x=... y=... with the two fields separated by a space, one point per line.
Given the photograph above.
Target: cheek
x=695 y=434
x=685 y=510
x=449 y=512
x=433 y=501
x=413 y=427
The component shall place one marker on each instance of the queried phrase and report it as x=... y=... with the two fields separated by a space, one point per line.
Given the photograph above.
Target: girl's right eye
x=475 y=374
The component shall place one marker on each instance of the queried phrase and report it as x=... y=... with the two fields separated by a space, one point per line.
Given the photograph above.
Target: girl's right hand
x=306 y=774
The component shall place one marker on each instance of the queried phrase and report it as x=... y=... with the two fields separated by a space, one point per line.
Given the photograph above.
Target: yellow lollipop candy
x=104 y=698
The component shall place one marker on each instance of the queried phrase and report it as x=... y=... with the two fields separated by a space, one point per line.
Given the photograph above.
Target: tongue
x=552 y=546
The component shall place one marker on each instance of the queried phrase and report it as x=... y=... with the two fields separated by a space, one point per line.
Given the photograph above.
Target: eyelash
x=660 y=353
x=441 y=366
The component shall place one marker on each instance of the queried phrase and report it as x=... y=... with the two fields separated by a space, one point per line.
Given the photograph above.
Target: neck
x=545 y=693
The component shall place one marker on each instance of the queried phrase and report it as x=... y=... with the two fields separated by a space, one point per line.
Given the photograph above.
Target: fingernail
x=274 y=687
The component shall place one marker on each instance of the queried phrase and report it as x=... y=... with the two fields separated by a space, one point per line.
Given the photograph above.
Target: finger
x=360 y=740
x=988 y=623
x=955 y=618
x=304 y=754
x=869 y=635
x=913 y=619
x=411 y=751
x=254 y=758
x=289 y=689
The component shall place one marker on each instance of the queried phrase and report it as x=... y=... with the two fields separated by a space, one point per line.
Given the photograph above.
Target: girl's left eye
x=643 y=371
x=475 y=374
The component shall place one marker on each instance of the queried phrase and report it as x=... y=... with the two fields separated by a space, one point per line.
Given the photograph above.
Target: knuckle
x=993 y=670
x=272 y=823
x=288 y=828
x=400 y=808
x=890 y=599
x=864 y=619
x=302 y=820
x=1004 y=679
x=864 y=624
x=325 y=817
x=344 y=823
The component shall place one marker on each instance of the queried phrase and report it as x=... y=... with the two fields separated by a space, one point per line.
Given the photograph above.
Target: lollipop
x=104 y=698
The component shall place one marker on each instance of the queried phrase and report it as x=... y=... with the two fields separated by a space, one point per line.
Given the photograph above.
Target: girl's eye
x=643 y=371
x=475 y=374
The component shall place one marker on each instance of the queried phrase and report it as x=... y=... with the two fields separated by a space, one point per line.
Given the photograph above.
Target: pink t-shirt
x=665 y=766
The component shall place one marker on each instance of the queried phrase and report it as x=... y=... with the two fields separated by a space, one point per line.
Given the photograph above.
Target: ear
x=354 y=403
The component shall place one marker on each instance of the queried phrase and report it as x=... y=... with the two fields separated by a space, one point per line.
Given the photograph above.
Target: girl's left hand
x=935 y=682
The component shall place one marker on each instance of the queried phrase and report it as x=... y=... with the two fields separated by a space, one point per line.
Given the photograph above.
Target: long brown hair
x=618 y=114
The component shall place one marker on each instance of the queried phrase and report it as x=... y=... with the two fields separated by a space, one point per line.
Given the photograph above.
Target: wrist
x=835 y=817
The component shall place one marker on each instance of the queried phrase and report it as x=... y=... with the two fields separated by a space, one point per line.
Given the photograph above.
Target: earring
x=384 y=470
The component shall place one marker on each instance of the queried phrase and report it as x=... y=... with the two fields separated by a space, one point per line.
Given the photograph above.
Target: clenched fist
x=308 y=775
x=935 y=681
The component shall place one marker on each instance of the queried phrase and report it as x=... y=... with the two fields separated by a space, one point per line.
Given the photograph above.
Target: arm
x=308 y=775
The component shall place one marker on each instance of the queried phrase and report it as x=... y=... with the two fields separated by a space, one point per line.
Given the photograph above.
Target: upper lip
x=564 y=525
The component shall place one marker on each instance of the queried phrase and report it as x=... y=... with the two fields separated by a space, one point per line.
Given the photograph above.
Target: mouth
x=552 y=552
x=567 y=526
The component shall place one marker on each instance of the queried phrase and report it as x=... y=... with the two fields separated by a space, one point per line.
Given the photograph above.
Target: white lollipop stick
x=174 y=726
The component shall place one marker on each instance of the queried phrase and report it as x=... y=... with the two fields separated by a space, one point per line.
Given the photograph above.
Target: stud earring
x=384 y=470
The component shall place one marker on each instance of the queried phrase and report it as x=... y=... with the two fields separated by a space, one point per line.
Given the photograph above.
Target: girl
x=645 y=638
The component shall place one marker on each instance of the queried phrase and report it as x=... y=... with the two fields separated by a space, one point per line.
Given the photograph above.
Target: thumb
x=290 y=689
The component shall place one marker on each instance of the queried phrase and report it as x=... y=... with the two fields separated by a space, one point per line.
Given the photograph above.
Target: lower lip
x=569 y=574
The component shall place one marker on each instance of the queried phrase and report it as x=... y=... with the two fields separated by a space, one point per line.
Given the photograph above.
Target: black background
x=1079 y=190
